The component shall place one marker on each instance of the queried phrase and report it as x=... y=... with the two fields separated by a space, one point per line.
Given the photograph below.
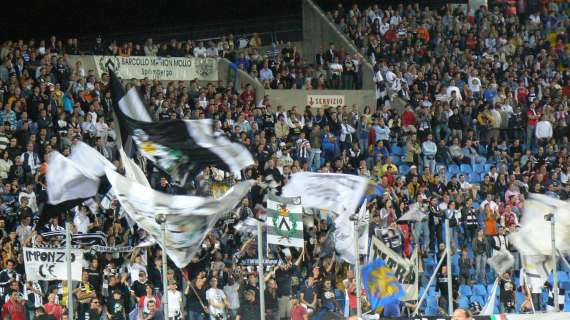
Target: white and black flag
x=180 y=148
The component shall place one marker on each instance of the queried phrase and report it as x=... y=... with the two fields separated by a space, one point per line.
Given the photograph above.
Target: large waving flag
x=72 y=180
x=381 y=284
x=188 y=218
x=340 y=193
x=77 y=176
x=181 y=148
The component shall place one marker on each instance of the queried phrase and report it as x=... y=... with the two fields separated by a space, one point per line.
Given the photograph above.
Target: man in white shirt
x=336 y=71
x=217 y=301
x=265 y=73
x=200 y=50
x=31 y=158
x=429 y=149
x=175 y=305
x=492 y=204
x=543 y=131
x=453 y=88
x=81 y=220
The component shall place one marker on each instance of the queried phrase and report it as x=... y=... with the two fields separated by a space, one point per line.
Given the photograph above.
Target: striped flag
x=180 y=148
x=284 y=221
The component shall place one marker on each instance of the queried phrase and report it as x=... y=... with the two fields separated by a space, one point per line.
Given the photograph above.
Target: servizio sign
x=323 y=101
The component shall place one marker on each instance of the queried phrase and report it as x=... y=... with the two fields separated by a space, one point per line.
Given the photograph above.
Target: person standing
x=481 y=252
x=429 y=150
x=298 y=311
x=13 y=308
x=175 y=305
x=217 y=301
x=196 y=297
x=507 y=294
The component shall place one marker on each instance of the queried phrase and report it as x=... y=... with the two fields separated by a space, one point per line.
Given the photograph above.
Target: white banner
x=49 y=264
x=158 y=68
x=324 y=101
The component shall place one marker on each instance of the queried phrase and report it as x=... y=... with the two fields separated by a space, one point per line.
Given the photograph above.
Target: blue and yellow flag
x=381 y=284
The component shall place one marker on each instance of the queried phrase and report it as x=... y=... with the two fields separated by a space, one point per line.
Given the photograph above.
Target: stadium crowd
x=485 y=123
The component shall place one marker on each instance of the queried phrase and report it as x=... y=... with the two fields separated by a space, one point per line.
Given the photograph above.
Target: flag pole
x=260 y=269
x=449 y=284
x=424 y=294
x=554 y=271
x=68 y=221
x=161 y=219
x=354 y=218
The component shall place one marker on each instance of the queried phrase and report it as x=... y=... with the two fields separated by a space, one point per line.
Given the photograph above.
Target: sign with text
x=159 y=68
x=324 y=101
x=50 y=264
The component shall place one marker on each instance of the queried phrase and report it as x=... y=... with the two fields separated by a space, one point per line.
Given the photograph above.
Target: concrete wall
x=319 y=31
x=298 y=98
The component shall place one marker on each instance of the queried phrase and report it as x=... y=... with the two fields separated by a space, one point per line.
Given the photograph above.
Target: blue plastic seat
x=455 y=265
x=479 y=299
x=478 y=167
x=403 y=169
x=479 y=290
x=488 y=167
x=490 y=288
x=465 y=168
x=474 y=177
x=396 y=160
x=465 y=290
x=396 y=150
x=453 y=169
x=463 y=302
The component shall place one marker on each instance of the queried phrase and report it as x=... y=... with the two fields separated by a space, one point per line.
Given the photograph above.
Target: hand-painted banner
x=50 y=264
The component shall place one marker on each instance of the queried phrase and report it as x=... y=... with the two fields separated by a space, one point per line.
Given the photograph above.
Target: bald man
x=461 y=314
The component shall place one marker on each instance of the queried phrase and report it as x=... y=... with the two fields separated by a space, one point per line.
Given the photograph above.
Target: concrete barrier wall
x=299 y=98
x=319 y=31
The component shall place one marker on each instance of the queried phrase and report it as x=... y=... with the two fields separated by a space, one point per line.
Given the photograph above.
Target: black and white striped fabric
x=80 y=239
x=561 y=299
x=180 y=148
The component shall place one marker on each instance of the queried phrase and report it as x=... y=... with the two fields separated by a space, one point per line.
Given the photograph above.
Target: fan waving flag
x=188 y=218
x=381 y=284
x=180 y=148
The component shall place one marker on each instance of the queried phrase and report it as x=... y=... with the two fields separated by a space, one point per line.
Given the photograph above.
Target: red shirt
x=298 y=312
x=55 y=309
x=408 y=118
x=522 y=94
x=14 y=310
x=533 y=122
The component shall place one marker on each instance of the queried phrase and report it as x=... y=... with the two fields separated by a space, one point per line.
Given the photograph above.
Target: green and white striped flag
x=284 y=221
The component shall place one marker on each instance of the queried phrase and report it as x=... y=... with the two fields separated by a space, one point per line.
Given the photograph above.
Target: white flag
x=363 y=221
x=534 y=236
x=340 y=193
x=75 y=177
x=188 y=219
x=489 y=307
